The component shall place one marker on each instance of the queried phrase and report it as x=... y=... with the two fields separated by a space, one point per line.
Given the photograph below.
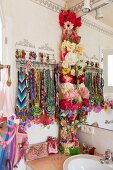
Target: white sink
x=85 y=162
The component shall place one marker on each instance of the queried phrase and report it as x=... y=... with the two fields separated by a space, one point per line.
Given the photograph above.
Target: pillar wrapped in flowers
x=74 y=99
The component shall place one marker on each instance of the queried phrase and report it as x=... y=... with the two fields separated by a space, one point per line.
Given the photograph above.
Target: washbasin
x=85 y=162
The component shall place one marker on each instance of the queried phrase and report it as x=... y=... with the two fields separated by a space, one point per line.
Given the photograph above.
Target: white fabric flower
x=71 y=58
x=81 y=63
x=73 y=72
x=68 y=25
x=80 y=72
x=81 y=58
x=65 y=64
x=81 y=86
x=65 y=87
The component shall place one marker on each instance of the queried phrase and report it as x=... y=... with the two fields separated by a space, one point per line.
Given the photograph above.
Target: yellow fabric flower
x=67 y=45
x=79 y=49
x=64 y=45
x=65 y=71
x=70 y=46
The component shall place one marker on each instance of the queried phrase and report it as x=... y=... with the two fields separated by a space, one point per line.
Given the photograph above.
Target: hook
x=9 y=76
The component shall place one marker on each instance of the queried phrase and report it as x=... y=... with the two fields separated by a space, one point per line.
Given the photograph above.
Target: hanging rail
x=9 y=73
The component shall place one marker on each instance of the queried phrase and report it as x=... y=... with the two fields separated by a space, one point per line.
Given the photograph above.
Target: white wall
x=101 y=139
x=27 y=20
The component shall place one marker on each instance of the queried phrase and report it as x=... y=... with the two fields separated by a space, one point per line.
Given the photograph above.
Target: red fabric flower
x=77 y=117
x=65 y=104
x=63 y=55
x=78 y=22
x=65 y=16
x=80 y=79
x=66 y=78
x=73 y=106
x=79 y=105
x=71 y=17
x=85 y=114
x=75 y=38
x=64 y=37
x=85 y=102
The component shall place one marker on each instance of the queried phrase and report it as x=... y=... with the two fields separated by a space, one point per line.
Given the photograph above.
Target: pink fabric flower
x=84 y=92
x=111 y=102
x=67 y=96
x=73 y=94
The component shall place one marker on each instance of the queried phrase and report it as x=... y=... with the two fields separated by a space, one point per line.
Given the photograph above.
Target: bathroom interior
x=56 y=85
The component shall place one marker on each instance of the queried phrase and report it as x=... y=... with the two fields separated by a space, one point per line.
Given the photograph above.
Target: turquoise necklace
x=50 y=92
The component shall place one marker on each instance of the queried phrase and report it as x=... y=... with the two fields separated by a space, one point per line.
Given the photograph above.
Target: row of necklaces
x=37 y=92
x=94 y=82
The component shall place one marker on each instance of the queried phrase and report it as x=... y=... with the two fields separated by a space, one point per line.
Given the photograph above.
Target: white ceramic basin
x=85 y=162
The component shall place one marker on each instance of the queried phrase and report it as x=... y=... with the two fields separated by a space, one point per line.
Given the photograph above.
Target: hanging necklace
x=36 y=110
x=50 y=102
x=42 y=92
x=56 y=85
x=21 y=94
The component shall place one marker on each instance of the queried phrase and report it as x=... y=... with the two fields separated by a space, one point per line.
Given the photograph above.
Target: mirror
x=98 y=46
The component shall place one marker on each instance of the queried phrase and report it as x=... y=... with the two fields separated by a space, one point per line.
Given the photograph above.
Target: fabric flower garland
x=74 y=102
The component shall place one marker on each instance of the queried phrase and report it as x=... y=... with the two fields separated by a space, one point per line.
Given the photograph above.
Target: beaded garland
x=40 y=89
x=94 y=83
x=50 y=99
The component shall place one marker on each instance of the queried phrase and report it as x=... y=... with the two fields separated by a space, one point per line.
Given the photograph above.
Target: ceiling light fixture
x=86 y=8
x=99 y=14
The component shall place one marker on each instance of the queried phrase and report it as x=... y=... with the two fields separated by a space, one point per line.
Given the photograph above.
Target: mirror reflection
x=98 y=73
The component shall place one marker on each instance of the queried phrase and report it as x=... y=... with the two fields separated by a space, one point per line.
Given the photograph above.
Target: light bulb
x=99 y=14
x=86 y=8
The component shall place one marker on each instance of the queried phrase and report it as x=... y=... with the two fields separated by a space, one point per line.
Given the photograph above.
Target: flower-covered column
x=74 y=95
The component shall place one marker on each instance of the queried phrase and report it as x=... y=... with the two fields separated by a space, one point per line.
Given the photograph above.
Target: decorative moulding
x=101 y=28
x=78 y=7
x=49 y=4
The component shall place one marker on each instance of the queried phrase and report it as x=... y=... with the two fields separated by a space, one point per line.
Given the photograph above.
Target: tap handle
x=108 y=154
x=112 y=156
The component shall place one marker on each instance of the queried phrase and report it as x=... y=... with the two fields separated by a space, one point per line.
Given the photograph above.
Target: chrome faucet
x=108 y=157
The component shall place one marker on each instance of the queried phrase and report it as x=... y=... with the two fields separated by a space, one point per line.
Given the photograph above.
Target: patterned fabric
x=37 y=151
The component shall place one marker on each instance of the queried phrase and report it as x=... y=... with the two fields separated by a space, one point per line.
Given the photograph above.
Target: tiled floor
x=53 y=162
